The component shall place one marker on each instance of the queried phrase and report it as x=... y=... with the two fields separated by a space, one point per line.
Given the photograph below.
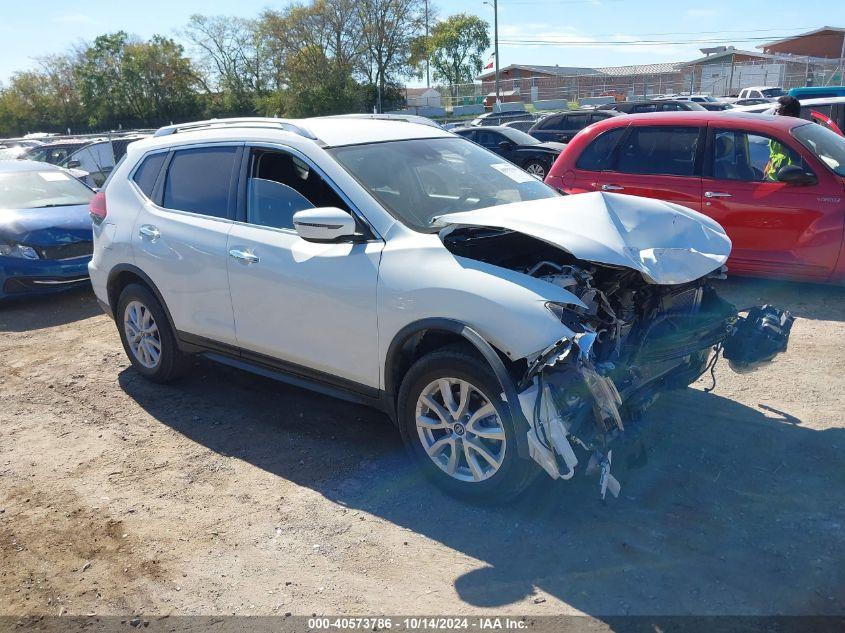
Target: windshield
x=418 y=180
x=39 y=189
x=824 y=143
x=773 y=92
x=11 y=153
x=518 y=136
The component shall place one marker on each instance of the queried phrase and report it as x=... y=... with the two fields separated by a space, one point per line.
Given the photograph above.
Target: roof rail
x=237 y=122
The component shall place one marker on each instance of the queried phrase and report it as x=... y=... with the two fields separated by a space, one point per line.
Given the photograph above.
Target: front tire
x=458 y=430
x=147 y=337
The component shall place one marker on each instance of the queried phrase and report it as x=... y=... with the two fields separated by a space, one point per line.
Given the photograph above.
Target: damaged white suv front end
x=641 y=314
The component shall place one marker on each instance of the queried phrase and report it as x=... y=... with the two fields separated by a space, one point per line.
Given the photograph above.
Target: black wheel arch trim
x=129 y=268
x=484 y=348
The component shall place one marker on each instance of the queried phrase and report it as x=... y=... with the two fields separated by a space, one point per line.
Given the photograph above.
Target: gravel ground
x=228 y=493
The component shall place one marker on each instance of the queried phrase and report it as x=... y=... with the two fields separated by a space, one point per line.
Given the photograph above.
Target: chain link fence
x=716 y=79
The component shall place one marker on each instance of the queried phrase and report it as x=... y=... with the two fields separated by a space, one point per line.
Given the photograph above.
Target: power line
x=559 y=42
x=720 y=31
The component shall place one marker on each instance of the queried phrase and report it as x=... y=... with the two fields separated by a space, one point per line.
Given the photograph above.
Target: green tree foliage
x=456 y=47
x=142 y=83
x=310 y=58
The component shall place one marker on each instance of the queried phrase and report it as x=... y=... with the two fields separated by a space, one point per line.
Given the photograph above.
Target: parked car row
x=90 y=159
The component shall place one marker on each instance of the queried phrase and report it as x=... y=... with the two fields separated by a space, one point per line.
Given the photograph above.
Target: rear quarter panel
x=113 y=238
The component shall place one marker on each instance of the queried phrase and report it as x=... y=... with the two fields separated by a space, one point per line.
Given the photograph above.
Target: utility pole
x=496 y=43
x=427 y=70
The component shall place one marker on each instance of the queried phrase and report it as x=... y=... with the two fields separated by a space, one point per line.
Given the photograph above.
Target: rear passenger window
x=575 y=122
x=661 y=150
x=147 y=172
x=598 y=154
x=550 y=123
x=198 y=180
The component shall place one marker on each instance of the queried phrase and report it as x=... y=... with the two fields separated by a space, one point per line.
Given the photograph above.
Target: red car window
x=666 y=150
x=598 y=154
x=749 y=157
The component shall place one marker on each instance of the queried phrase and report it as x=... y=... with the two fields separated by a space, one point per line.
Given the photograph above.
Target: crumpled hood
x=667 y=243
x=50 y=226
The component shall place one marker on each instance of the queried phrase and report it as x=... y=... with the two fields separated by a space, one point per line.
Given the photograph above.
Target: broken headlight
x=567 y=315
x=21 y=251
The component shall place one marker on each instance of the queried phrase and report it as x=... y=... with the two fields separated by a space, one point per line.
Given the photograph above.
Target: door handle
x=716 y=194
x=245 y=256
x=148 y=230
x=612 y=188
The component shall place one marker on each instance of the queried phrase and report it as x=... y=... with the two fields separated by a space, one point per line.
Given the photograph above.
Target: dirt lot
x=228 y=493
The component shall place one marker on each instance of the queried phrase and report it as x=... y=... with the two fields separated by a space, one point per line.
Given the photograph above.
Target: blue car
x=45 y=231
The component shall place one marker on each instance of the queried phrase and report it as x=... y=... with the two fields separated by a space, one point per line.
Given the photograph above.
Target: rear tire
x=469 y=451
x=147 y=337
x=536 y=168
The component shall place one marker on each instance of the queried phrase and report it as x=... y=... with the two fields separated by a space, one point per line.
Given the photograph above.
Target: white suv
x=503 y=327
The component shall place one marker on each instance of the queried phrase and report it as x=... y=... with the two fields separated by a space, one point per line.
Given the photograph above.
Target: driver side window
x=279 y=185
x=749 y=157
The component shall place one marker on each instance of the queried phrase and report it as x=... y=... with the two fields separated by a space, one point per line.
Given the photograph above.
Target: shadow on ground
x=24 y=314
x=804 y=300
x=735 y=513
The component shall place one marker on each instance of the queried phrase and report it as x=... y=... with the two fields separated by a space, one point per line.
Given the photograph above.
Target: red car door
x=658 y=161
x=777 y=229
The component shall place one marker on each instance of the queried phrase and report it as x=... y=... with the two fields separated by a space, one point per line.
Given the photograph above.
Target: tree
x=387 y=29
x=159 y=82
x=132 y=82
x=62 y=90
x=227 y=49
x=456 y=46
x=317 y=86
x=314 y=53
x=25 y=104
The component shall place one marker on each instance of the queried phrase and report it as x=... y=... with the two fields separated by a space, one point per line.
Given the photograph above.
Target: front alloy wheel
x=460 y=429
x=457 y=428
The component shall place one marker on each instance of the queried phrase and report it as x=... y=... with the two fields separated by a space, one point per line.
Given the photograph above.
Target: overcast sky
x=29 y=29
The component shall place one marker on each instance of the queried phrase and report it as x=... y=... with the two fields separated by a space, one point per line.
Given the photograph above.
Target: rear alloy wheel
x=147 y=337
x=536 y=169
x=142 y=334
x=458 y=430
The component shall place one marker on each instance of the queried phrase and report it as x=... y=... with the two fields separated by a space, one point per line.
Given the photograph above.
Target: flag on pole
x=489 y=63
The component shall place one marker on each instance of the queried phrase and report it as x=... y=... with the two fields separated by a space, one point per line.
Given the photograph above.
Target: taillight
x=97 y=208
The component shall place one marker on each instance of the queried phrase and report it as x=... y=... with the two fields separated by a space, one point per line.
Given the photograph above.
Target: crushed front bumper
x=22 y=277
x=571 y=404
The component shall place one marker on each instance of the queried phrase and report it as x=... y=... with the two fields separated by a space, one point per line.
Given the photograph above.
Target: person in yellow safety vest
x=779 y=154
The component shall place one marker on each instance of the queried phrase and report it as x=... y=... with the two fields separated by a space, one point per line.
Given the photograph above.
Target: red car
x=776 y=184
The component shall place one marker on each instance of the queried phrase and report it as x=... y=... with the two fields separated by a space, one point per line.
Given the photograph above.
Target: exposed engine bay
x=631 y=339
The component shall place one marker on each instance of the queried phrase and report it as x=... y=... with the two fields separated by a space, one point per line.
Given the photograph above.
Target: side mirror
x=325 y=224
x=795 y=175
x=505 y=145
x=73 y=164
